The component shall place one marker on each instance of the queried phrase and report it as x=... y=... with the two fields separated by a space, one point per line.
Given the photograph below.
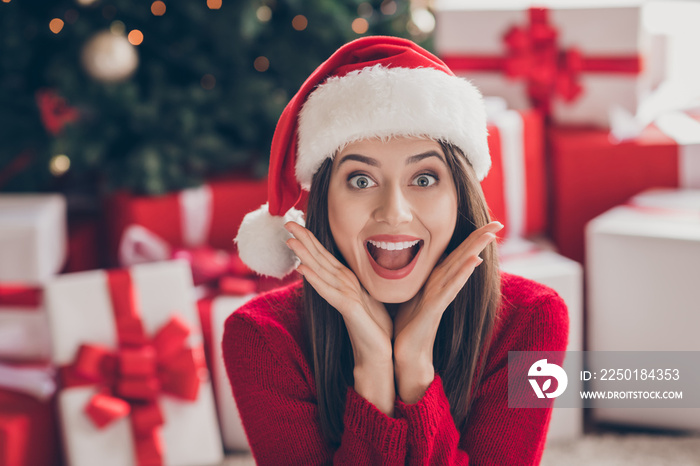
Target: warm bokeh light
x=388 y=7
x=214 y=4
x=264 y=13
x=158 y=8
x=360 y=25
x=423 y=19
x=56 y=25
x=364 y=10
x=208 y=82
x=261 y=64
x=5 y=1
x=59 y=164
x=117 y=27
x=135 y=37
x=300 y=22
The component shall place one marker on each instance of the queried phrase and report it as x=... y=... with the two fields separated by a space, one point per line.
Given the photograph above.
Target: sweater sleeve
x=278 y=406
x=495 y=434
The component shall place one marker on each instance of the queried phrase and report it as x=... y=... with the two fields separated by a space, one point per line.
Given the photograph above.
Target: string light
x=388 y=7
x=360 y=25
x=264 y=13
x=59 y=164
x=135 y=37
x=261 y=64
x=214 y=4
x=117 y=27
x=300 y=22
x=158 y=8
x=56 y=25
x=208 y=82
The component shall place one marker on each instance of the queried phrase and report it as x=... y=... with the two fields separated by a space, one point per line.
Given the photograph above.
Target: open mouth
x=393 y=259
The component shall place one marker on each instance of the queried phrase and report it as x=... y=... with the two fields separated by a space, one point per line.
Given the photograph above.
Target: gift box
x=32 y=237
x=214 y=313
x=515 y=188
x=548 y=57
x=590 y=173
x=134 y=386
x=147 y=228
x=540 y=263
x=28 y=434
x=642 y=272
x=24 y=330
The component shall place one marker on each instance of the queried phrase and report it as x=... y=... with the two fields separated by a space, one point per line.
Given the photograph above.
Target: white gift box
x=24 y=334
x=535 y=262
x=232 y=431
x=468 y=32
x=642 y=266
x=33 y=237
x=81 y=311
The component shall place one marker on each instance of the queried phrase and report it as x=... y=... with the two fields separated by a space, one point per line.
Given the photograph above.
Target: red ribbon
x=132 y=378
x=534 y=56
x=20 y=296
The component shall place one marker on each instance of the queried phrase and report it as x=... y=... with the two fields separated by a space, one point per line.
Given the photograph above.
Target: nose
x=393 y=208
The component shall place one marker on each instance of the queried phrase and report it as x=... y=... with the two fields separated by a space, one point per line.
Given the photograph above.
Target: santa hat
x=371 y=87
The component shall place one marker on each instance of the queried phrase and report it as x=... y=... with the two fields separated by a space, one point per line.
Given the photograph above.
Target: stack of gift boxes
x=33 y=250
x=122 y=365
x=588 y=69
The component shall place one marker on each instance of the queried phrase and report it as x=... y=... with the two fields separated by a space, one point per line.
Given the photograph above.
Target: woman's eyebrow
x=425 y=155
x=359 y=158
x=375 y=163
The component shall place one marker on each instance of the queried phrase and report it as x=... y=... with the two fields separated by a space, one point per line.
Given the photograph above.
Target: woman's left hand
x=417 y=321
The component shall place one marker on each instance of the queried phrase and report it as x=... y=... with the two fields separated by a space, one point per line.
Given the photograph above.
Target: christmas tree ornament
x=109 y=57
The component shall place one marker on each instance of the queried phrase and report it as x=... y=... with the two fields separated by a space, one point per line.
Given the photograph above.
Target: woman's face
x=392 y=208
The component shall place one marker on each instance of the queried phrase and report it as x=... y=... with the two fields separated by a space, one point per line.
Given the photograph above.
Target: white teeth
x=393 y=246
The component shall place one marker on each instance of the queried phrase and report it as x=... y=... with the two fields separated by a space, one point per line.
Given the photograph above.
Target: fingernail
x=480 y=261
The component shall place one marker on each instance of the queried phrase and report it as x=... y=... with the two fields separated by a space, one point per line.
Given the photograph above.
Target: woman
x=394 y=349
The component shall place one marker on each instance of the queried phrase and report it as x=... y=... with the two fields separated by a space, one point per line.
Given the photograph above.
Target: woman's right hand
x=369 y=325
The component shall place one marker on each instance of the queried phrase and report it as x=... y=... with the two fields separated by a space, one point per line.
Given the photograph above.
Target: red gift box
x=209 y=215
x=591 y=174
x=515 y=187
x=28 y=434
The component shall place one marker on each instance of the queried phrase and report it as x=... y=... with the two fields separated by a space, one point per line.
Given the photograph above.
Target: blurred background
x=135 y=132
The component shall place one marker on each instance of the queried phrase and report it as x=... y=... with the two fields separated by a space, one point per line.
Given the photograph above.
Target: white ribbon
x=139 y=245
x=37 y=382
x=510 y=126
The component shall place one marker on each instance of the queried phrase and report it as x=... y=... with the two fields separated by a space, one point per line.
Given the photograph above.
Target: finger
x=311 y=260
x=313 y=245
x=331 y=294
x=466 y=257
x=473 y=244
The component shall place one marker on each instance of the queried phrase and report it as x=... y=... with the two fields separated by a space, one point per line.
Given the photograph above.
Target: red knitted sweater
x=273 y=384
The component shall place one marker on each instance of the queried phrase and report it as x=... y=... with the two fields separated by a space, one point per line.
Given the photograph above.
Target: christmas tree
x=98 y=95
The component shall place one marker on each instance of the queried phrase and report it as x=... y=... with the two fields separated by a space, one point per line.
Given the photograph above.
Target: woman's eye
x=424 y=181
x=361 y=182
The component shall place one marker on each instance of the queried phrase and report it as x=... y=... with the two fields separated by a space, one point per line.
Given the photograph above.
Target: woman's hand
x=369 y=324
x=417 y=321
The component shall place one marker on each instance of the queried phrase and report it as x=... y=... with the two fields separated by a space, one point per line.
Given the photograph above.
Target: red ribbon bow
x=534 y=56
x=131 y=378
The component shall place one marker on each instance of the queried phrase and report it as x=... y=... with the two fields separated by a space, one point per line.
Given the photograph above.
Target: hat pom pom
x=262 y=241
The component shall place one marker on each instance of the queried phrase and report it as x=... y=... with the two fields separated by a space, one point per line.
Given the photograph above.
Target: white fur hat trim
x=383 y=102
x=262 y=241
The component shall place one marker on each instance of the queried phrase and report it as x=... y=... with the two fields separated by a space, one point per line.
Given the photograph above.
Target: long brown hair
x=466 y=326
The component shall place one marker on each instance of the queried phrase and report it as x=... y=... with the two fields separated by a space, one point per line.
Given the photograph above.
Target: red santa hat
x=371 y=87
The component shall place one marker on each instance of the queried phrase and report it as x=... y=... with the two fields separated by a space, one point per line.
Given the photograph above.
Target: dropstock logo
x=541 y=369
